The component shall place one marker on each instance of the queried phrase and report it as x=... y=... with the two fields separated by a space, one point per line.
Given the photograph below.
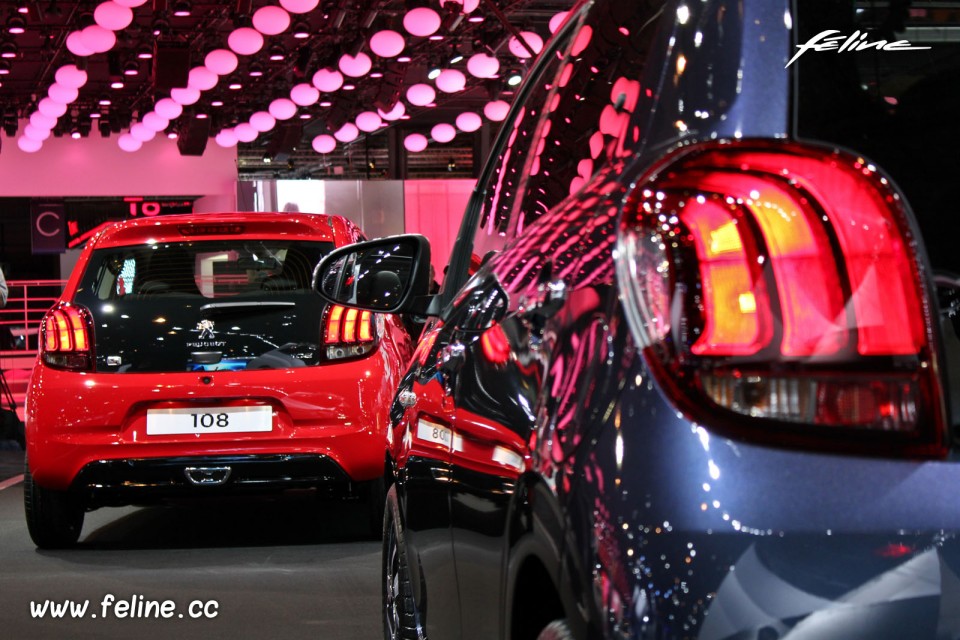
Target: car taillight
x=777 y=292
x=65 y=337
x=348 y=333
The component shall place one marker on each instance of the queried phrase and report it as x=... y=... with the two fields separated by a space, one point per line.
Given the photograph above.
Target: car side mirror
x=386 y=275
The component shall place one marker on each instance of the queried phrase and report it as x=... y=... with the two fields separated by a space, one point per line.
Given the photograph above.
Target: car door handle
x=543 y=303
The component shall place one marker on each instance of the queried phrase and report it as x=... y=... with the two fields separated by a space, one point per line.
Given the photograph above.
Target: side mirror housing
x=386 y=275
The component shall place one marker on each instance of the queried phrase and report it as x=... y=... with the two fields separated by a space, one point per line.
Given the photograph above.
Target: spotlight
x=4 y=67
x=234 y=86
x=116 y=83
x=255 y=70
x=23 y=7
x=434 y=73
x=132 y=68
x=104 y=100
x=9 y=50
x=216 y=103
x=514 y=78
x=145 y=52
x=277 y=53
x=301 y=30
x=16 y=25
x=161 y=27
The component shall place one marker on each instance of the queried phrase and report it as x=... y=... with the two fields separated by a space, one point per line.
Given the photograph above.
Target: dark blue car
x=692 y=372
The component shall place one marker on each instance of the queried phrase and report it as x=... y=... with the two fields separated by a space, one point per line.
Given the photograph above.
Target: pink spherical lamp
x=76 y=46
x=168 y=108
x=496 y=110
x=395 y=113
x=451 y=81
x=415 y=142
x=226 y=138
x=347 y=133
x=41 y=121
x=481 y=65
x=557 y=20
x=421 y=95
x=155 y=122
x=533 y=41
x=142 y=133
x=304 y=94
x=29 y=145
x=245 y=132
x=369 y=121
x=271 y=20
x=469 y=121
x=387 y=43
x=222 y=62
x=51 y=108
x=133 y=4
x=62 y=94
x=98 y=39
x=443 y=132
x=70 y=76
x=355 y=66
x=202 y=79
x=245 y=41
x=262 y=121
x=324 y=143
x=128 y=143
x=282 y=109
x=184 y=95
x=112 y=16
x=422 y=22
x=299 y=6
x=327 y=80
x=36 y=133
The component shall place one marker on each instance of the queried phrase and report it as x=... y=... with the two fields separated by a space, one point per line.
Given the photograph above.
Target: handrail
x=27 y=302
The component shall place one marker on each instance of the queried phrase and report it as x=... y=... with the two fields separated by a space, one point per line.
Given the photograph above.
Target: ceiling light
x=16 y=25
x=201 y=115
x=116 y=84
x=4 y=67
x=132 y=68
x=8 y=50
x=277 y=53
x=145 y=52
x=301 y=30
x=182 y=8
x=23 y=7
x=94 y=114
x=216 y=103
x=514 y=78
x=161 y=27
x=434 y=73
x=255 y=70
x=104 y=100
x=235 y=86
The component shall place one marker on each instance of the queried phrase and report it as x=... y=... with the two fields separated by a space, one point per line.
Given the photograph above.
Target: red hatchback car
x=189 y=356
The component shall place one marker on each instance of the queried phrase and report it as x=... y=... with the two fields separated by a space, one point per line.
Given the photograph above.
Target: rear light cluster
x=348 y=333
x=781 y=282
x=65 y=335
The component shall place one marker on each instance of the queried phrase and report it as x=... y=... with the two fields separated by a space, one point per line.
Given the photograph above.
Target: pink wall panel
x=434 y=208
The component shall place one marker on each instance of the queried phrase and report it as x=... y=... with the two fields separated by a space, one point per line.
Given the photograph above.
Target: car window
x=897 y=107
x=169 y=306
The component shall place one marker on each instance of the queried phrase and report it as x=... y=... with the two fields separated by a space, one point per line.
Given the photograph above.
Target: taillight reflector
x=66 y=338
x=348 y=332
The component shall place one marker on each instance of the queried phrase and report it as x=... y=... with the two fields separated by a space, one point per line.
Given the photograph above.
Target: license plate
x=207 y=420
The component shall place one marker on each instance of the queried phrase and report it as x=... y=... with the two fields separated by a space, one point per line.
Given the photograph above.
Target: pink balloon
x=355 y=66
x=271 y=20
x=41 y=121
x=202 y=79
x=324 y=143
x=98 y=39
x=443 y=132
x=282 y=109
x=184 y=95
x=451 y=81
x=415 y=142
x=52 y=108
x=304 y=94
x=299 y=6
x=421 y=21
x=394 y=114
x=245 y=41
x=222 y=62
x=245 y=132
x=133 y=4
x=112 y=16
x=533 y=41
x=226 y=138
x=496 y=110
x=142 y=133
x=70 y=76
x=76 y=46
x=327 y=80
x=262 y=121
x=421 y=95
x=469 y=121
x=557 y=20
x=480 y=65
x=369 y=121
x=155 y=122
x=29 y=145
x=128 y=143
x=36 y=133
x=347 y=133
x=387 y=43
x=62 y=94
x=168 y=108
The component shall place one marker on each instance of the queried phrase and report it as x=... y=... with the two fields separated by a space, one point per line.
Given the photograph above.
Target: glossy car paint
x=544 y=471
x=334 y=410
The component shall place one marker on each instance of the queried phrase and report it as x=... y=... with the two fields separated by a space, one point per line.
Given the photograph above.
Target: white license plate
x=208 y=420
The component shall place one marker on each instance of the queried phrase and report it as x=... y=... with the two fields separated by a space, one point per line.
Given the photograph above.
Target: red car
x=190 y=356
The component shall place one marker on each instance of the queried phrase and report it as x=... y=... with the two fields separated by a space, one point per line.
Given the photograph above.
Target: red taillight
x=348 y=332
x=781 y=282
x=66 y=337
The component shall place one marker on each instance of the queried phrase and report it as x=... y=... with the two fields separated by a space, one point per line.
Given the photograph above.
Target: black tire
x=556 y=630
x=401 y=621
x=375 y=496
x=54 y=518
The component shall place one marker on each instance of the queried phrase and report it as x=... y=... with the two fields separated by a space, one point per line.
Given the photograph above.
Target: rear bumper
x=146 y=480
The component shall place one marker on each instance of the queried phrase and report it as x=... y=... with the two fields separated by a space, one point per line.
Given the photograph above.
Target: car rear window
x=204 y=306
x=899 y=108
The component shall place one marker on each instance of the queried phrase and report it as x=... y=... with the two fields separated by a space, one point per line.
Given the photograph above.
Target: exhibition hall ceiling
x=304 y=88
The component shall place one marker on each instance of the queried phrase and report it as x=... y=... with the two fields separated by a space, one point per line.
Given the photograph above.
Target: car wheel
x=400 y=617
x=54 y=518
x=556 y=630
